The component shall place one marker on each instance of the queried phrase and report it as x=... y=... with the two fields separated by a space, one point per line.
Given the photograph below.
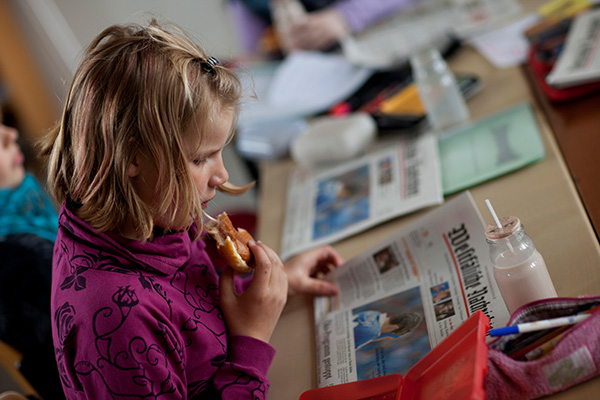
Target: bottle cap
x=509 y=226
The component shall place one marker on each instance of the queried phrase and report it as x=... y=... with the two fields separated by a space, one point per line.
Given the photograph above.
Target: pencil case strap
x=574 y=359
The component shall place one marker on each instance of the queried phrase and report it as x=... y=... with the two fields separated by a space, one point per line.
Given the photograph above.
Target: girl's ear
x=134 y=168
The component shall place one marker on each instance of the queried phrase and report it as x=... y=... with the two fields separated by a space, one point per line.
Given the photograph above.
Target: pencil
x=539 y=325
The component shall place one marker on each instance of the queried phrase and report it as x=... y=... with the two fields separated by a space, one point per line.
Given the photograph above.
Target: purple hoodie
x=135 y=320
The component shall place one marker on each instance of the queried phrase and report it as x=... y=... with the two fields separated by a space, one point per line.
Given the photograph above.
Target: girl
x=138 y=309
x=25 y=208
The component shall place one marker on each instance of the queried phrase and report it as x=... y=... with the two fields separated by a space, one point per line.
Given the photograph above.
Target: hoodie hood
x=163 y=255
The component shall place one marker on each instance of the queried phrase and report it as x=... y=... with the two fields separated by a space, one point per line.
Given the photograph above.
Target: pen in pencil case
x=539 y=325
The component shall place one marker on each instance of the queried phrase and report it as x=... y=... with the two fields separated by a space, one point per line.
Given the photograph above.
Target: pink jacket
x=135 y=320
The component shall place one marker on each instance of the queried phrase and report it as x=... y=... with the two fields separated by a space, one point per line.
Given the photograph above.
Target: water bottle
x=439 y=92
x=519 y=269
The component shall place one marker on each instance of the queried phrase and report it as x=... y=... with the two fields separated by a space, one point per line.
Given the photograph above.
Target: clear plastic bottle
x=439 y=92
x=519 y=269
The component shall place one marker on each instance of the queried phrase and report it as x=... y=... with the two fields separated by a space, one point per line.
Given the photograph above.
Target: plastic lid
x=509 y=226
x=455 y=368
x=452 y=370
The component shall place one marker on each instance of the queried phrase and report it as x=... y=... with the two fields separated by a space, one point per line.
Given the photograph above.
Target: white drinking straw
x=487 y=201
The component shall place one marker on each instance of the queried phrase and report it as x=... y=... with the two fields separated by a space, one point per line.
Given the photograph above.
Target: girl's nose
x=220 y=175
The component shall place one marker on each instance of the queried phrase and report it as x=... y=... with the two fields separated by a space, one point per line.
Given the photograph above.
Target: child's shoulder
x=92 y=290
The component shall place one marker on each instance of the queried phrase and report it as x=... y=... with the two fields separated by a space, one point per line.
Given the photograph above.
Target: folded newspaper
x=328 y=203
x=403 y=296
x=404 y=174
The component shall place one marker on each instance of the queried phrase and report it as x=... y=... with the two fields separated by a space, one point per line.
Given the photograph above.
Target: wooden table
x=576 y=127
x=542 y=195
x=11 y=378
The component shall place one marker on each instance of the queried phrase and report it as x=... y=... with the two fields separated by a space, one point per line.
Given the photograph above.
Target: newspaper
x=579 y=61
x=426 y=279
x=326 y=204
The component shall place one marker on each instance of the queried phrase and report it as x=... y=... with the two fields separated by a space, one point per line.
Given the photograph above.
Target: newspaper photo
x=403 y=296
x=330 y=203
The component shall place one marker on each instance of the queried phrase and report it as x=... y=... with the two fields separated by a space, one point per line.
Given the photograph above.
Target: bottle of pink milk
x=519 y=269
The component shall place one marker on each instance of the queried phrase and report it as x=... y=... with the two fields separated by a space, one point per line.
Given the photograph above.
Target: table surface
x=575 y=124
x=543 y=195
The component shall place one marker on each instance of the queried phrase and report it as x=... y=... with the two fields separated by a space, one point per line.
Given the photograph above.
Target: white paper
x=434 y=274
x=471 y=17
x=326 y=204
x=304 y=84
x=506 y=47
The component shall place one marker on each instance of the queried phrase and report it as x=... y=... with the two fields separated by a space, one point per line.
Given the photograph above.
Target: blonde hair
x=135 y=91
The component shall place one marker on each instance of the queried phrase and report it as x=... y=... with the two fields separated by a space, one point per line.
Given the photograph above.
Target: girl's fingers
x=277 y=274
x=226 y=285
x=262 y=271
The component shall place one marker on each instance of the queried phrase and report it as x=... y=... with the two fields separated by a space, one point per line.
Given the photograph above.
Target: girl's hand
x=256 y=311
x=305 y=269
x=213 y=253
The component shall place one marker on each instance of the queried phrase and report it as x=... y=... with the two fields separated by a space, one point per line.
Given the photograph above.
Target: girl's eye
x=199 y=161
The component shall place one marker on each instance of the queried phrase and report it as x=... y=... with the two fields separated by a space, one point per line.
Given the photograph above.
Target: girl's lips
x=205 y=203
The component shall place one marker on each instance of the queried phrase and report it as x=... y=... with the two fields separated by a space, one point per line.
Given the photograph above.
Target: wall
x=58 y=31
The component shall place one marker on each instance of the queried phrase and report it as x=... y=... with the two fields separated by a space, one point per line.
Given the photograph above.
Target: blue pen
x=539 y=325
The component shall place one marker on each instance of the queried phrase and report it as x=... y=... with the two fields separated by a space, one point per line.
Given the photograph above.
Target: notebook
x=489 y=147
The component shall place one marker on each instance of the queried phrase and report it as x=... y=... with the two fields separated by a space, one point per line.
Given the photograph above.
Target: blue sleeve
x=368 y=327
x=367 y=317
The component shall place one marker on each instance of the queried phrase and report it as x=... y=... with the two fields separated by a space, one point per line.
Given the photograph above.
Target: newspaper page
x=403 y=296
x=329 y=203
x=579 y=61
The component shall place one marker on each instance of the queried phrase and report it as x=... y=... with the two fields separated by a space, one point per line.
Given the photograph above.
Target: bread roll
x=232 y=243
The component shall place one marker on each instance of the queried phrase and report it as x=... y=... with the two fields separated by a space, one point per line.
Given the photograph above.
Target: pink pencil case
x=574 y=358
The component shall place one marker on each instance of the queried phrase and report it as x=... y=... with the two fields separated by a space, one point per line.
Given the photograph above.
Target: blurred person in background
x=309 y=24
x=28 y=228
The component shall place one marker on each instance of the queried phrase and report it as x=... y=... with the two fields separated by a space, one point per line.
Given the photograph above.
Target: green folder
x=489 y=147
